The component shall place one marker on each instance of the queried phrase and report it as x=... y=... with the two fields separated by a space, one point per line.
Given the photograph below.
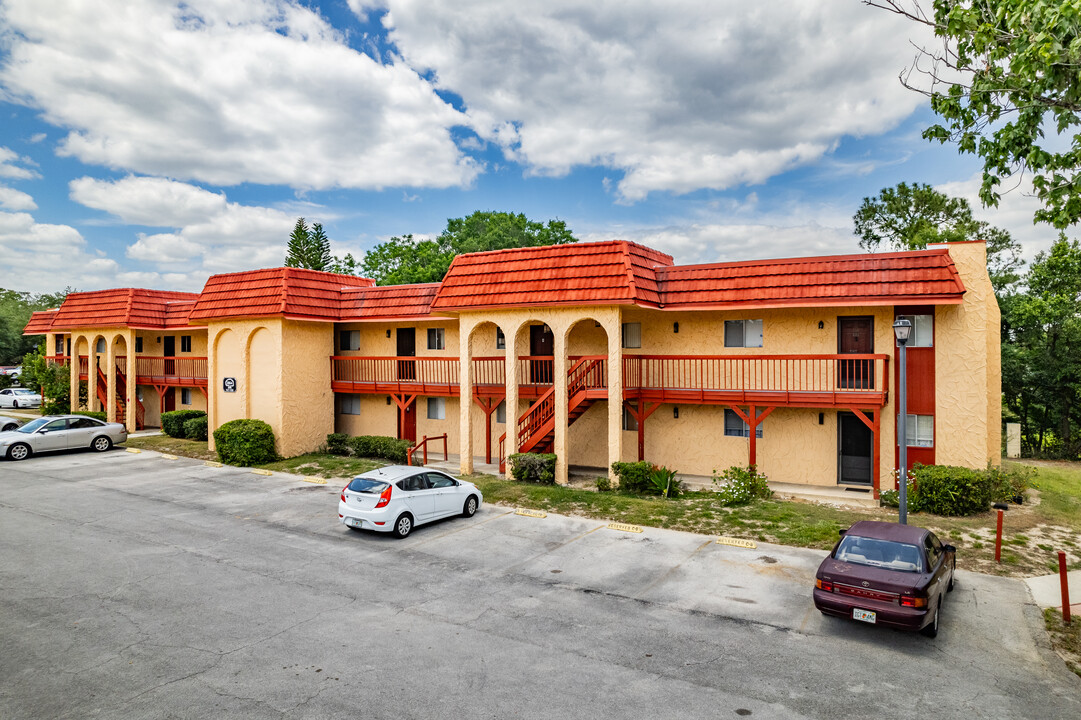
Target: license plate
x=863 y=615
x=358 y=523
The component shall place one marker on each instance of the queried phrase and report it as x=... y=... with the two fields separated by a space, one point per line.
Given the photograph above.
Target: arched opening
x=81 y=358
x=488 y=412
x=228 y=402
x=262 y=377
x=587 y=398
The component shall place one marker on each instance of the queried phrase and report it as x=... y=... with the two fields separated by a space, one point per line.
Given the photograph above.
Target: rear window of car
x=879 y=553
x=366 y=485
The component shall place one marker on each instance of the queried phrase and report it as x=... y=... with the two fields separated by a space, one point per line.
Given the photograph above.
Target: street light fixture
x=902 y=330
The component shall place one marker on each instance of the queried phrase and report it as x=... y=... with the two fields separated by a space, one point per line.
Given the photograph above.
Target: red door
x=407 y=423
x=920 y=389
x=170 y=399
x=855 y=336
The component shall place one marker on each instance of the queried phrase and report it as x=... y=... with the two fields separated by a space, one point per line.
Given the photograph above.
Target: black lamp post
x=902 y=330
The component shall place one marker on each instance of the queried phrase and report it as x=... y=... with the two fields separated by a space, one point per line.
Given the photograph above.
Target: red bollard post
x=1065 y=587
x=998 y=539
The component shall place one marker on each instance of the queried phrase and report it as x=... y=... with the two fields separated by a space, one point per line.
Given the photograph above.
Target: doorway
x=855 y=450
x=541 y=345
x=169 y=351
x=170 y=399
x=856 y=336
x=407 y=423
x=407 y=369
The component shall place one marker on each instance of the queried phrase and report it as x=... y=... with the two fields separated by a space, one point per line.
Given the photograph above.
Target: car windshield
x=364 y=485
x=24 y=392
x=879 y=553
x=33 y=425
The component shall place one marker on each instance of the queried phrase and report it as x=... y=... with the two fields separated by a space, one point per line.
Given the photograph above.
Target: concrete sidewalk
x=1047 y=590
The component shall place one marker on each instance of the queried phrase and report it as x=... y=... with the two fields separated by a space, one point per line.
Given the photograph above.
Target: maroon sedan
x=887 y=574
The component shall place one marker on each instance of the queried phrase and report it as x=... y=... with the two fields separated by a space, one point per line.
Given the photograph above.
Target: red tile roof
x=119 y=307
x=923 y=276
x=603 y=273
x=291 y=292
x=390 y=302
x=40 y=322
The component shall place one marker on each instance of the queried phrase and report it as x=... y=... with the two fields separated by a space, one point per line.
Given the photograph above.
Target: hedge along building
x=604 y=351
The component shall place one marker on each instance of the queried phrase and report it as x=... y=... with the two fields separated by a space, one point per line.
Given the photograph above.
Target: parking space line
x=551 y=550
x=461 y=529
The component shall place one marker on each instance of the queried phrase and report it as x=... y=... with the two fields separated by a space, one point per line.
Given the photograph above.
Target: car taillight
x=384 y=497
x=824 y=585
x=343 y=492
x=913 y=601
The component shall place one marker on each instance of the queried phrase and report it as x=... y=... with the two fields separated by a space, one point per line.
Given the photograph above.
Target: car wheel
x=101 y=443
x=15 y=404
x=403 y=525
x=932 y=628
x=19 y=451
x=470 y=508
x=10 y=426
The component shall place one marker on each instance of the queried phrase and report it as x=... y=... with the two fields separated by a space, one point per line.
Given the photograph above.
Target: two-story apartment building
x=597 y=352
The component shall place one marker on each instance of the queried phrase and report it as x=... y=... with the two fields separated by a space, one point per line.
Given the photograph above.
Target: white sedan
x=60 y=432
x=19 y=398
x=397 y=498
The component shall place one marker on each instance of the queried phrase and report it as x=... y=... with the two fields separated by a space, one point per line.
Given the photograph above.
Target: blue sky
x=151 y=143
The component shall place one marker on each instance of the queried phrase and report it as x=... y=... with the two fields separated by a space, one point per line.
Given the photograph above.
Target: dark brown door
x=170 y=399
x=169 y=351
x=541 y=345
x=407 y=423
x=855 y=450
x=407 y=369
x=856 y=336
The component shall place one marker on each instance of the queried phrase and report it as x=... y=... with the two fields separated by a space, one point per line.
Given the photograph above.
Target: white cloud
x=39 y=257
x=679 y=95
x=37 y=137
x=11 y=199
x=8 y=168
x=226 y=92
x=210 y=234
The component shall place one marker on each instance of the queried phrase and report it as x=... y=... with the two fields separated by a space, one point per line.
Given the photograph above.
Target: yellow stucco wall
x=307 y=400
x=154 y=341
x=374 y=341
x=968 y=377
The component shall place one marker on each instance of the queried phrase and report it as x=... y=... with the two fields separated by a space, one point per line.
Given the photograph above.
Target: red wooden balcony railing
x=84 y=366
x=800 y=380
x=425 y=376
x=170 y=371
x=61 y=360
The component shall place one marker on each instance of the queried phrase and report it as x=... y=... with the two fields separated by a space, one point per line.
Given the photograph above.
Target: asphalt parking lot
x=135 y=586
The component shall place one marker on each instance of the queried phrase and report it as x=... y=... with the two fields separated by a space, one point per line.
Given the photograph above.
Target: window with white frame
x=632 y=335
x=920 y=431
x=185 y=343
x=349 y=339
x=185 y=396
x=629 y=421
x=500 y=339
x=734 y=426
x=436 y=339
x=923 y=330
x=742 y=333
x=501 y=413
x=437 y=408
x=349 y=404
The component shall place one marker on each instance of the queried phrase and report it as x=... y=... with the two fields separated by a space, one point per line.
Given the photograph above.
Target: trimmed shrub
x=54 y=408
x=379 y=446
x=604 y=484
x=172 y=422
x=1008 y=485
x=952 y=491
x=196 y=428
x=539 y=468
x=740 y=486
x=634 y=477
x=245 y=442
x=338 y=444
x=104 y=417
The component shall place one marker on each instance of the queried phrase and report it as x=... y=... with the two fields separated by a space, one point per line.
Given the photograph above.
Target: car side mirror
x=842 y=531
x=949 y=548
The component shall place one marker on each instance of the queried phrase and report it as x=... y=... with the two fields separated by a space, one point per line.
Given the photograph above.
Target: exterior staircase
x=121 y=393
x=536 y=427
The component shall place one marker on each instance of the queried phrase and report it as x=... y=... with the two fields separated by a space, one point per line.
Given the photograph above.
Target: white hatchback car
x=397 y=498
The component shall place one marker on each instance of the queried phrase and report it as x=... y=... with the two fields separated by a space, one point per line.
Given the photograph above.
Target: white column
x=73 y=369
x=511 y=379
x=110 y=380
x=615 y=392
x=465 y=401
x=559 y=377
x=130 y=402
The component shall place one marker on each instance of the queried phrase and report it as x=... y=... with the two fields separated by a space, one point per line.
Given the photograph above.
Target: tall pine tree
x=299 y=246
x=321 y=258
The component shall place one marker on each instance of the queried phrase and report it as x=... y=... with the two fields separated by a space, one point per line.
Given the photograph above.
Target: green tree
x=405 y=259
x=1041 y=353
x=321 y=258
x=310 y=248
x=298 y=251
x=15 y=310
x=1007 y=73
x=909 y=217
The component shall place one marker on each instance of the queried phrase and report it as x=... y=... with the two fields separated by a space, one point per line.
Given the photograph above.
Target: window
x=923 y=330
x=185 y=343
x=185 y=396
x=920 y=431
x=500 y=339
x=60 y=344
x=629 y=422
x=501 y=413
x=735 y=427
x=436 y=339
x=83 y=423
x=99 y=347
x=439 y=480
x=632 y=335
x=349 y=404
x=349 y=339
x=138 y=344
x=743 y=333
x=437 y=408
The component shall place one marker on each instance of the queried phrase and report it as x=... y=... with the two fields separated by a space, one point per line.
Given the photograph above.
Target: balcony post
x=73 y=374
x=559 y=397
x=131 y=401
x=511 y=379
x=465 y=396
x=615 y=391
x=110 y=379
